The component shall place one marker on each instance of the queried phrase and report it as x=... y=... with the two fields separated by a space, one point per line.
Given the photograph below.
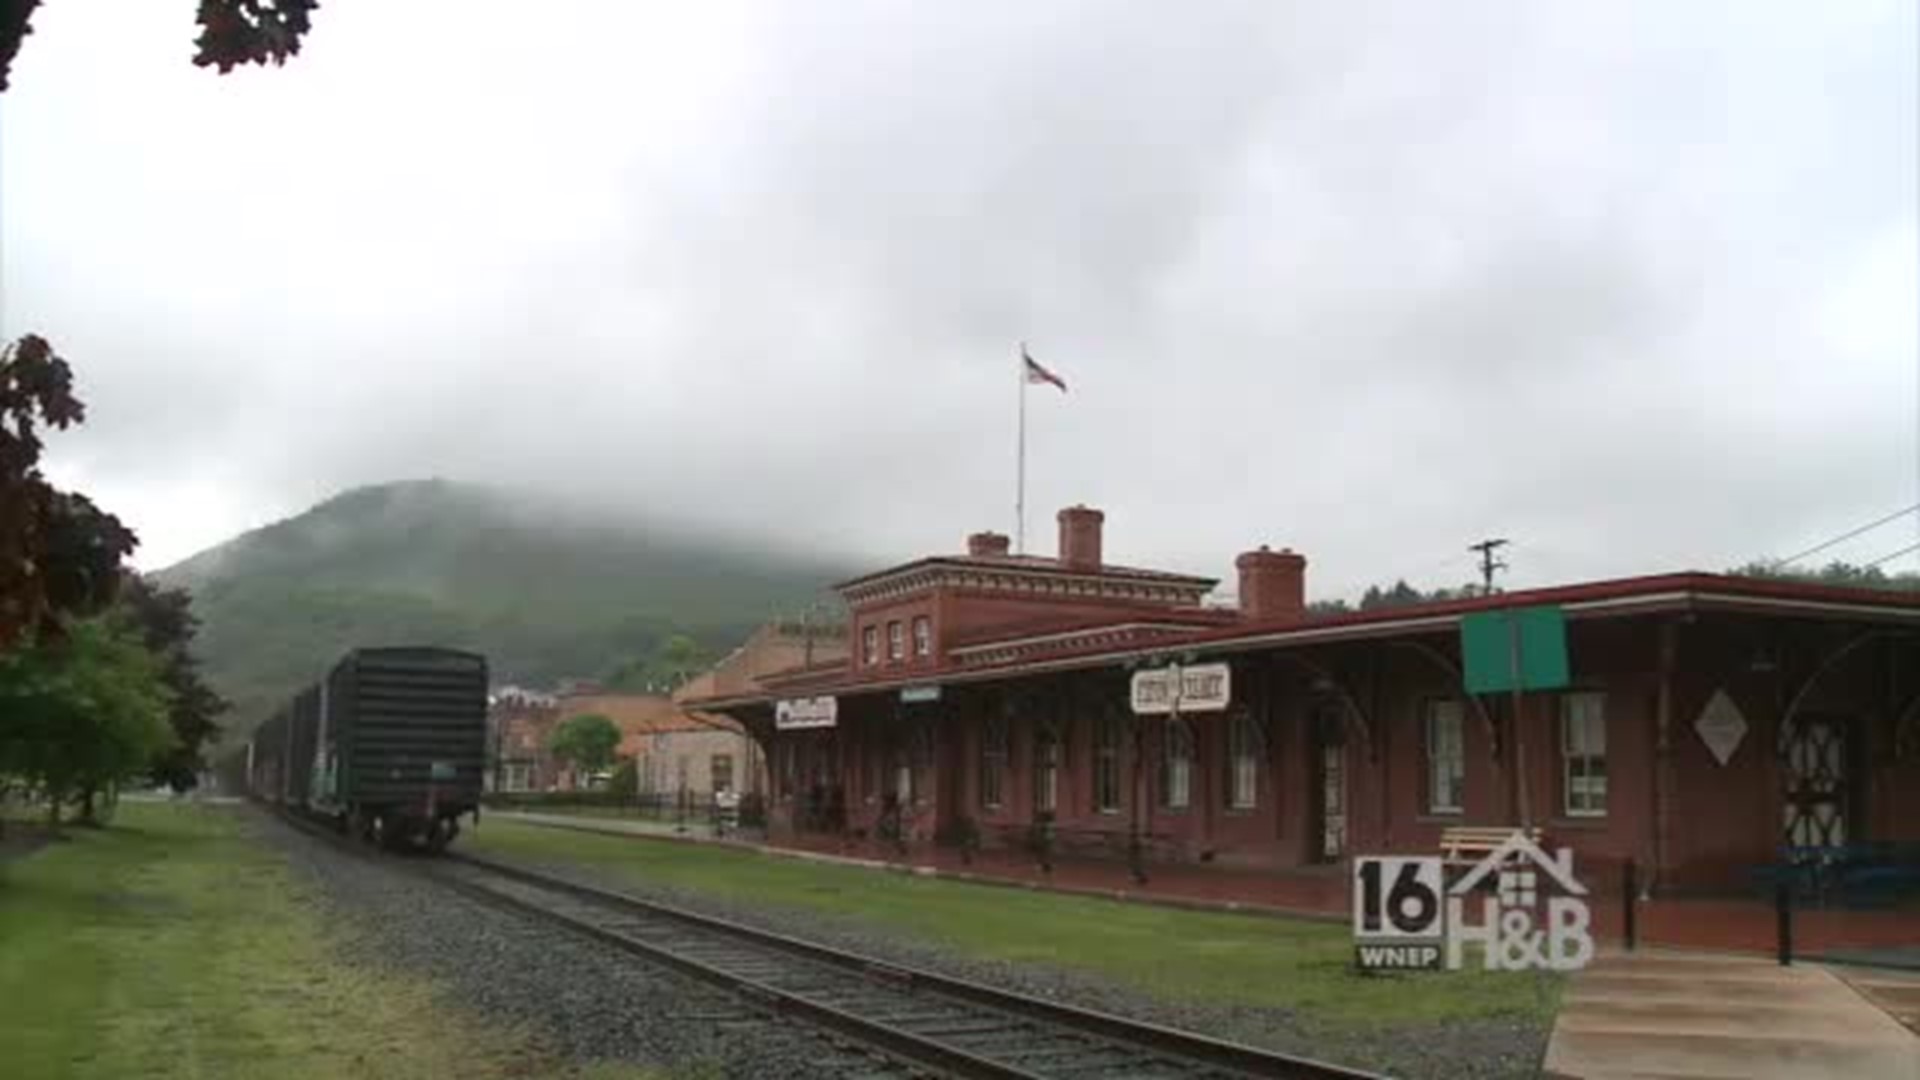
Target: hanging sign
x=1721 y=726
x=801 y=713
x=1515 y=649
x=919 y=695
x=1199 y=688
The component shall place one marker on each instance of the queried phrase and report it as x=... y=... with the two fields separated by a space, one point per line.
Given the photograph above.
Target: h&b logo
x=1405 y=916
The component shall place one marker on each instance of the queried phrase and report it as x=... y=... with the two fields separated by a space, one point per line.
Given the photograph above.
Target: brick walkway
x=1724 y=925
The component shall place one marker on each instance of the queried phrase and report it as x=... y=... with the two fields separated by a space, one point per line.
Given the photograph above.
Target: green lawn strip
x=1297 y=964
x=171 y=945
x=614 y=813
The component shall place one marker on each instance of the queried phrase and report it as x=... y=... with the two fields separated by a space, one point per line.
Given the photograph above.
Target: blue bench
x=1845 y=875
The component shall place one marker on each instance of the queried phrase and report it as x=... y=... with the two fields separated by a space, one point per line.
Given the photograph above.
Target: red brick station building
x=1708 y=723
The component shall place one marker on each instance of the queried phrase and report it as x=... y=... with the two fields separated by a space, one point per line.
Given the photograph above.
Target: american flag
x=1038 y=374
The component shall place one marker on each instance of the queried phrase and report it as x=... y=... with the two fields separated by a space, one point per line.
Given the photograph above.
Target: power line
x=1869 y=527
x=1908 y=550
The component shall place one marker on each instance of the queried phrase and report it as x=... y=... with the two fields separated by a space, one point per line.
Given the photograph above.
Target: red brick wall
x=904 y=612
x=967 y=613
x=1723 y=820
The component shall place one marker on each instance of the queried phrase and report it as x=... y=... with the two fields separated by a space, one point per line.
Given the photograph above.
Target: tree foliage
x=1833 y=573
x=672 y=662
x=83 y=712
x=586 y=741
x=625 y=783
x=59 y=553
x=251 y=31
x=1399 y=594
x=232 y=32
x=166 y=624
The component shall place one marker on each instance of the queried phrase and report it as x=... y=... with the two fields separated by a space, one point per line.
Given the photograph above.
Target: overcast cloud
x=1634 y=284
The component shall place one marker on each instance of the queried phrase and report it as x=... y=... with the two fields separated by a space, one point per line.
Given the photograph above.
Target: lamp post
x=1136 y=847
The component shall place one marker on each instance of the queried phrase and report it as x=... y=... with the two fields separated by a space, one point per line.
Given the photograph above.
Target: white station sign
x=1721 y=726
x=1199 y=688
x=800 y=713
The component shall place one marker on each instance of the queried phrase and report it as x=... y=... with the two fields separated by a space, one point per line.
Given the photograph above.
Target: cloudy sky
x=1633 y=284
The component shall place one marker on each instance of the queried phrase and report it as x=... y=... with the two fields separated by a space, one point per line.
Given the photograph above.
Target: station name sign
x=799 y=713
x=1197 y=688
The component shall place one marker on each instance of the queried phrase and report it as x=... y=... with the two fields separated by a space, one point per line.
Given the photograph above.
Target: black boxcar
x=391 y=745
x=266 y=759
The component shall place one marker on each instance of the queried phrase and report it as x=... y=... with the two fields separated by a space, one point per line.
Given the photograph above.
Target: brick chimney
x=988 y=543
x=1273 y=584
x=1080 y=537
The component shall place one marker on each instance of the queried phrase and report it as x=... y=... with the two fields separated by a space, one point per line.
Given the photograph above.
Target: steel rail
x=1083 y=1036
x=1189 y=1048
x=913 y=1059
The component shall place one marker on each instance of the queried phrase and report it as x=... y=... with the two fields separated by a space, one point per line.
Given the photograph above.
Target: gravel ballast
x=1508 y=1047
x=576 y=999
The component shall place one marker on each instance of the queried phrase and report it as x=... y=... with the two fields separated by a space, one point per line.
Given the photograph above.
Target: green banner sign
x=1518 y=649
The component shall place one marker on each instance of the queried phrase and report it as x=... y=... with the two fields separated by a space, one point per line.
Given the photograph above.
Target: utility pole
x=1489 y=564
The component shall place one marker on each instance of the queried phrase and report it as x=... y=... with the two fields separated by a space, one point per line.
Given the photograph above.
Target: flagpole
x=1020 y=461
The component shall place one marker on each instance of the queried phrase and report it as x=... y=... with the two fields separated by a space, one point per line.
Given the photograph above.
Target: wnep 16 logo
x=1531 y=912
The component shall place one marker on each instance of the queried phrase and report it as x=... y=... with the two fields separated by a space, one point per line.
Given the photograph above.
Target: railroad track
x=738 y=1015
x=941 y=1024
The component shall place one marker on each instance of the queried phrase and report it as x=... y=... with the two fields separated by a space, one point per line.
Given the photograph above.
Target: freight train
x=390 y=746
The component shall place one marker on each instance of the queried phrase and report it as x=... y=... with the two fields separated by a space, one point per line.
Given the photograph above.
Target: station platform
x=1660 y=1013
x=1880 y=937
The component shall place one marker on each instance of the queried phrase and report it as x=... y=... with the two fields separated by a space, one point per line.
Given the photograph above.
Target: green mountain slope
x=545 y=592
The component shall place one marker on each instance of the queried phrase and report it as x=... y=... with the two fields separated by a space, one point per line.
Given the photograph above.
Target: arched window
x=993 y=761
x=1107 y=736
x=1243 y=762
x=1046 y=768
x=1176 y=765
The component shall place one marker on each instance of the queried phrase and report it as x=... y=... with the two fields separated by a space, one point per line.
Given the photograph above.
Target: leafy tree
x=625 y=783
x=165 y=621
x=59 y=554
x=232 y=32
x=83 y=712
x=1834 y=573
x=673 y=661
x=1401 y=594
x=586 y=741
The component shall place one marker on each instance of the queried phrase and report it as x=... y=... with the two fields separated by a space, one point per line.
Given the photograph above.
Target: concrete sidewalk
x=1671 y=1014
x=1895 y=992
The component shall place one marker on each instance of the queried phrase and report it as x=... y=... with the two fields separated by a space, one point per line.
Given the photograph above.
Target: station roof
x=1036 y=654
x=1029 y=563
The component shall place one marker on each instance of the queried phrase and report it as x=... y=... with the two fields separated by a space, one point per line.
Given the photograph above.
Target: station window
x=922 y=636
x=1583 y=753
x=896 y=641
x=1046 y=770
x=1106 y=766
x=870 y=644
x=1446 y=758
x=993 y=761
x=902 y=773
x=1243 y=763
x=721 y=768
x=1176 y=765
x=519 y=777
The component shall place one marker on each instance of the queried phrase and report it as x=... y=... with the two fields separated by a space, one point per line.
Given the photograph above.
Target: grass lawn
x=621 y=813
x=1224 y=958
x=169 y=944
